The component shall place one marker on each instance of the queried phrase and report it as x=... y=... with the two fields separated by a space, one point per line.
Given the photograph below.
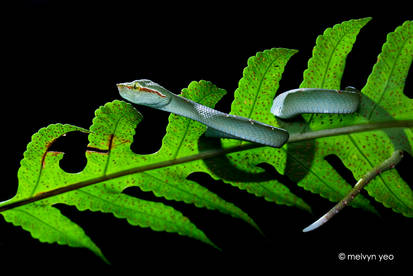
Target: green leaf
x=385 y=85
x=253 y=99
x=45 y=222
x=382 y=100
x=326 y=66
x=259 y=83
x=182 y=134
x=113 y=130
x=36 y=157
x=110 y=138
x=181 y=139
x=137 y=212
x=306 y=162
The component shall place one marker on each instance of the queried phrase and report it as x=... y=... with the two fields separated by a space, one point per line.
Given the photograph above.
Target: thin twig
x=388 y=164
x=203 y=155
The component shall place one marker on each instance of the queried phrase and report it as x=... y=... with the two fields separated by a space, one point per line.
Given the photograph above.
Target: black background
x=61 y=62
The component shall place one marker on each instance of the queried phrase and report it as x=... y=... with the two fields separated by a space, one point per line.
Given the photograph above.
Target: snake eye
x=135 y=85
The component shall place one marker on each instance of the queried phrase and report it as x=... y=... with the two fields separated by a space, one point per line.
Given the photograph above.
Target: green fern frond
x=113 y=130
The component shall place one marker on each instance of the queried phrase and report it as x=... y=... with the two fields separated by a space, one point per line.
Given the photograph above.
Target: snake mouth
x=126 y=85
x=125 y=90
x=137 y=87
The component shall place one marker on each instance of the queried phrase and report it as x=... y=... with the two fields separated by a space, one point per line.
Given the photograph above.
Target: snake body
x=315 y=100
x=220 y=124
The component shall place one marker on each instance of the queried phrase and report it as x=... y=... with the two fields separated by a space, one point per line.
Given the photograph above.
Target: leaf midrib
x=110 y=146
x=312 y=172
x=128 y=208
x=188 y=124
x=177 y=188
x=306 y=126
x=47 y=224
x=183 y=137
x=11 y=204
x=260 y=85
x=383 y=92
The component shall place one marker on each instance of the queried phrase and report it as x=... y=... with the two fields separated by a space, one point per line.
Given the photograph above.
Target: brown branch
x=388 y=164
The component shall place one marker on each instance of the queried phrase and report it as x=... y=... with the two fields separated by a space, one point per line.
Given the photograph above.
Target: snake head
x=144 y=92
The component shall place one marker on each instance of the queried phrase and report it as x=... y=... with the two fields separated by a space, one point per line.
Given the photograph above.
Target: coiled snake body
x=285 y=105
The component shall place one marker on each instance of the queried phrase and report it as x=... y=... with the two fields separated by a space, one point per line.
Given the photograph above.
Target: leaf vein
x=376 y=103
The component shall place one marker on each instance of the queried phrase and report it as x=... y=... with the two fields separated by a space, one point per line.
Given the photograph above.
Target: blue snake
x=220 y=124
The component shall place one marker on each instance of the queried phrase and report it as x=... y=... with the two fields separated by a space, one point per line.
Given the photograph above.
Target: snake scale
x=220 y=124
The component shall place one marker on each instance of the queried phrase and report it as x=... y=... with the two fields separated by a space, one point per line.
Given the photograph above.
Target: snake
x=222 y=125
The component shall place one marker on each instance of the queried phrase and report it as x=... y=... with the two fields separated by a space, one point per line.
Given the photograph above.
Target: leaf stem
x=349 y=129
x=387 y=164
x=205 y=155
